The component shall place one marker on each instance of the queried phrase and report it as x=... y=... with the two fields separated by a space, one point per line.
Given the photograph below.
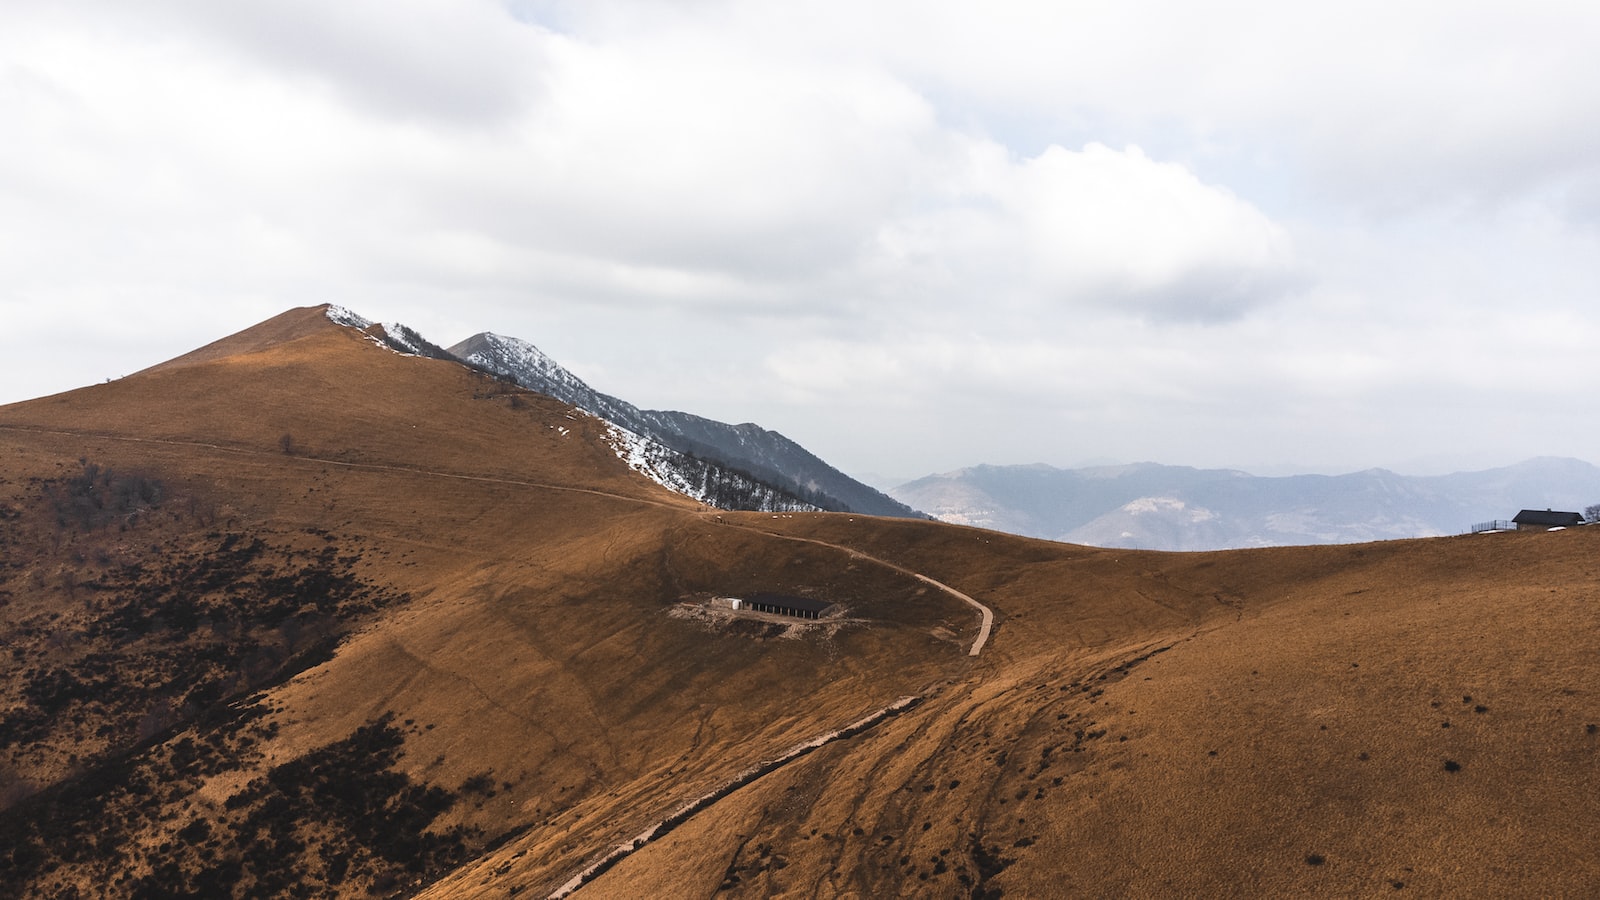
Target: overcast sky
x=913 y=236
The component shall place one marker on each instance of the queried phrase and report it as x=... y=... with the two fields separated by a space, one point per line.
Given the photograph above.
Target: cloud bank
x=912 y=236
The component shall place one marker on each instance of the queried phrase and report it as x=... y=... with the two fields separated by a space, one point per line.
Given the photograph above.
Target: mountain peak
x=534 y=369
x=291 y=325
x=507 y=350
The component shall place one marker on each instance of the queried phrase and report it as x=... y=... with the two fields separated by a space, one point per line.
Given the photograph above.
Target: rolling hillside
x=301 y=614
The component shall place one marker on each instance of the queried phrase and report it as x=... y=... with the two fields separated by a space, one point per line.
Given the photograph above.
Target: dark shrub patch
x=352 y=785
x=174 y=639
x=142 y=691
x=97 y=496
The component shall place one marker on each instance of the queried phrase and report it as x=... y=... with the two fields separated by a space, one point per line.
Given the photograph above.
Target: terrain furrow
x=703 y=802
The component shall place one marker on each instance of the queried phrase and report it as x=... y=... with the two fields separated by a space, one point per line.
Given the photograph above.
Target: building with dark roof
x=785 y=605
x=1536 y=520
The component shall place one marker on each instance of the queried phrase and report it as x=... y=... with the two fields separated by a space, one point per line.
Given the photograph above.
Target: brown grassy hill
x=283 y=328
x=1352 y=721
x=440 y=639
x=496 y=581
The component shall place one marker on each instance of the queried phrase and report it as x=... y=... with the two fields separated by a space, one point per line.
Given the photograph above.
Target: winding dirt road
x=985 y=612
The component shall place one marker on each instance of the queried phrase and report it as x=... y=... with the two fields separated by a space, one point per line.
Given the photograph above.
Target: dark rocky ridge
x=747 y=448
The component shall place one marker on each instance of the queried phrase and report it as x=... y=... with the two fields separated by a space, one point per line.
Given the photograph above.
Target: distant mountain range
x=1160 y=507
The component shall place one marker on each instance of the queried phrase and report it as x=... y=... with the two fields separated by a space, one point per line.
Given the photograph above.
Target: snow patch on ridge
x=397 y=338
x=403 y=339
x=648 y=458
x=339 y=315
x=518 y=357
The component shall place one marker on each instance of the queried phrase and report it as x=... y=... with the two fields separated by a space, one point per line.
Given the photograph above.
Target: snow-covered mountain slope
x=531 y=368
x=1178 y=508
x=707 y=482
x=397 y=337
x=757 y=453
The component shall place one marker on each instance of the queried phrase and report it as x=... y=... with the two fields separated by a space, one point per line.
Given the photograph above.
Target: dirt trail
x=683 y=813
x=985 y=612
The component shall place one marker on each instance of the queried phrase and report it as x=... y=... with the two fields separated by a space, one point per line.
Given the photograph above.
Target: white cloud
x=702 y=156
x=1120 y=227
x=1199 y=233
x=1390 y=103
x=457 y=63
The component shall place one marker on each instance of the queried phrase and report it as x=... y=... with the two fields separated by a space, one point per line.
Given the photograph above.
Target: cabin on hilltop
x=783 y=605
x=1536 y=520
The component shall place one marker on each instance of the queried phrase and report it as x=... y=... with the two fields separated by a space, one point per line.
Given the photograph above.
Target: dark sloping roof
x=1547 y=517
x=791 y=602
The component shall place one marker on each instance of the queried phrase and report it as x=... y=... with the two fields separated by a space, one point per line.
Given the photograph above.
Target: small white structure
x=735 y=602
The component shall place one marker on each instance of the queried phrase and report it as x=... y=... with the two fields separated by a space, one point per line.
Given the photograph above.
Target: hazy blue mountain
x=749 y=449
x=1160 y=507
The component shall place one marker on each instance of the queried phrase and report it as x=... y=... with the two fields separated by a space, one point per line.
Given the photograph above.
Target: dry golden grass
x=1262 y=723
